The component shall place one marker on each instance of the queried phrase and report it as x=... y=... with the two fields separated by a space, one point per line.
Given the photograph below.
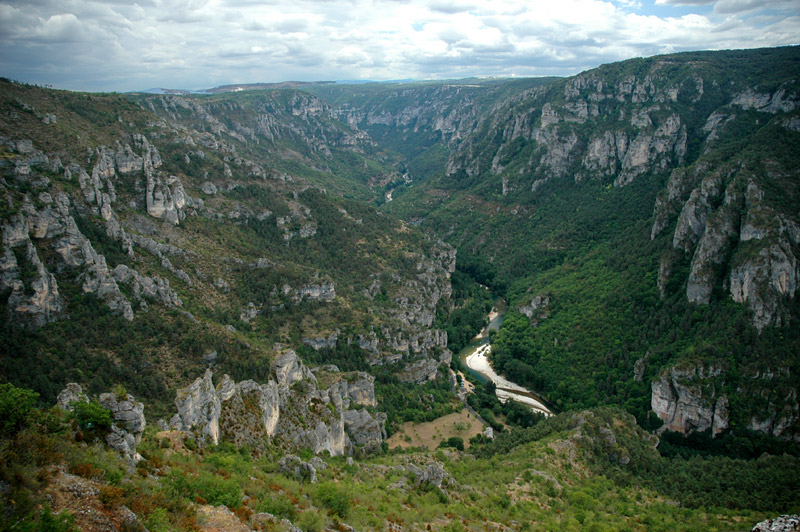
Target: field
x=461 y=424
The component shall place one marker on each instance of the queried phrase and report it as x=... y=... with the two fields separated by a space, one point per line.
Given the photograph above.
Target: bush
x=217 y=490
x=311 y=521
x=334 y=498
x=16 y=408
x=60 y=522
x=278 y=505
x=92 y=415
x=454 y=442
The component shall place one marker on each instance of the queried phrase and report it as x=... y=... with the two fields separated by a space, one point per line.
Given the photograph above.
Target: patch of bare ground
x=84 y=499
x=430 y=434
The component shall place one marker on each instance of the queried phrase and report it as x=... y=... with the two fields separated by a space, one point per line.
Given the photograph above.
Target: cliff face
x=700 y=149
x=680 y=401
x=667 y=117
x=229 y=206
x=592 y=126
x=740 y=237
x=290 y=409
x=694 y=398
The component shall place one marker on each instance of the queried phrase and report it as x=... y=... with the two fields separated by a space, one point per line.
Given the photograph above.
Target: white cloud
x=685 y=2
x=123 y=45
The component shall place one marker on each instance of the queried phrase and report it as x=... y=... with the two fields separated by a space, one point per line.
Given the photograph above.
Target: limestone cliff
x=678 y=399
x=290 y=410
x=215 y=204
x=729 y=224
x=693 y=397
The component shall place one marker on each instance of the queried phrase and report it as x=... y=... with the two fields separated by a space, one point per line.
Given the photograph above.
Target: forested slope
x=643 y=218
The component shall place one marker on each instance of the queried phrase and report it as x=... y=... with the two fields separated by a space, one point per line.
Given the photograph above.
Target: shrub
x=334 y=498
x=217 y=490
x=454 y=442
x=311 y=521
x=16 y=407
x=92 y=415
x=278 y=505
x=60 y=522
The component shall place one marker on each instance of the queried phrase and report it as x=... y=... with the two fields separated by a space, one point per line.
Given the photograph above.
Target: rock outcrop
x=129 y=423
x=782 y=523
x=584 y=135
x=290 y=409
x=296 y=468
x=678 y=399
x=49 y=225
x=727 y=223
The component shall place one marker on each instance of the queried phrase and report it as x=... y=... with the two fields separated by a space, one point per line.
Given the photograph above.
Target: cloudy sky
x=126 y=45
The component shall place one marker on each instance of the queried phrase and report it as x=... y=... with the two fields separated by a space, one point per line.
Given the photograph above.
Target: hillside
x=643 y=217
x=147 y=238
x=581 y=470
x=234 y=299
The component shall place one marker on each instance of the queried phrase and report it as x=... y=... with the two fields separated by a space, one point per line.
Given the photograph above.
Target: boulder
x=296 y=468
x=783 y=523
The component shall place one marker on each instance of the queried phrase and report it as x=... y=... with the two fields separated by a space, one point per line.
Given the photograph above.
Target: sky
x=120 y=45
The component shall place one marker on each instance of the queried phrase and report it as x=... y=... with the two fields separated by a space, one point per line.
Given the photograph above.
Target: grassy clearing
x=460 y=424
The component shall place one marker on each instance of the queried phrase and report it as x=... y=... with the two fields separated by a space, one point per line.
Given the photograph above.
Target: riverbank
x=479 y=362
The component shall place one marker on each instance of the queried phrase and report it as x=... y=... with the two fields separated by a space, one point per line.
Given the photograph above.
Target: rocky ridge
x=127 y=414
x=290 y=409
x=47 y=225
x=695 y=398
x=116 y=217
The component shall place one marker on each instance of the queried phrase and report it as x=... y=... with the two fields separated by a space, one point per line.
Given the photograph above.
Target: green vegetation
x=296 y=205
x=92 y=415
x=16 y=408
x=414 y=402
x=696 y=482
x=543 y=478
x=472 y=303
x=586 y=246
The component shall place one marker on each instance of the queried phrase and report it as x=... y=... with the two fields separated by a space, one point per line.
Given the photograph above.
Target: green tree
x=16 y=407
x=92 y=415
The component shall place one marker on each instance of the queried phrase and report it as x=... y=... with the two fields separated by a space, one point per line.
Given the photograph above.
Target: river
x=475 y=357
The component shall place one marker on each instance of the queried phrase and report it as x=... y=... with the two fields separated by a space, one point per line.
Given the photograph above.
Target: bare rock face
x=361 y=389
x=738 y=231
x=199 y=407
x=53 y=223
x=290 y=410
x=129 y=423
x=323 y=342
x=73 y=393
x=782 y=523
x=288 y=369
x=143 y=287
x=420 y=371
x=712 y=251
x=764 y=282
x=249 y=411
x=165 y=198
x=679 y=401
x=364 y=430
x=38 y=302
